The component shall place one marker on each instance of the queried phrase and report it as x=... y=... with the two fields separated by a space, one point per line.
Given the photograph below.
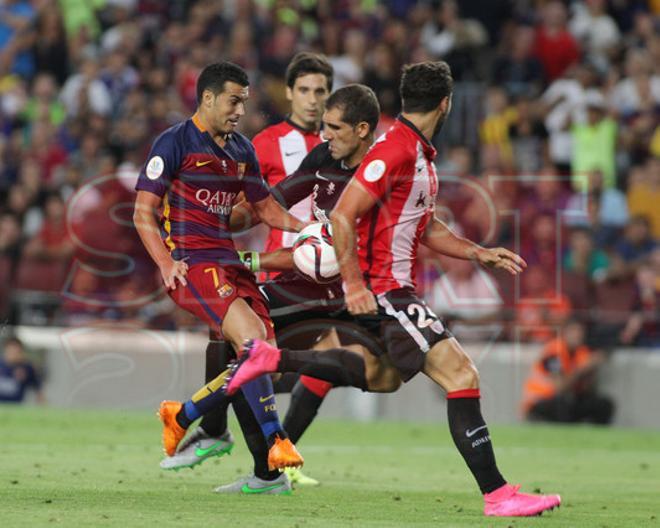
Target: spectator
x=349 y=67
x=494 y=129
x=603 y=211
x=43 y=104
x=517 y=70
x=17 y=374
x=468 y=297
x=51 y=54
x=582 y=257
x=615 y=297
x=643 y=326
x=554 y=46
x=52 y=243
x=528 y=137
x=542 y=309
x=594 y=143
x=85 y=92
x=454 y=39
x=595 y=30
x=15 y=19
x=644 y=194
x=562 y=385
x=637 y=242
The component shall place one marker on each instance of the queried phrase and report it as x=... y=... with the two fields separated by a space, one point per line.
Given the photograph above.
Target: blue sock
x=204 y=400
x=260 y=396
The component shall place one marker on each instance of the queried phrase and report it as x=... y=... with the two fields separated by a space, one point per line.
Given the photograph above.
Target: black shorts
x=293 y=299
x=406 y=328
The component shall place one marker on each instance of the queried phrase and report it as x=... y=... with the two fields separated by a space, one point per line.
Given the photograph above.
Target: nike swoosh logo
x=318 y=175
x=262 y=399
x=202 y=452
x=247 y=489
x=470 y=434
x=202 y=163
x=292 y=153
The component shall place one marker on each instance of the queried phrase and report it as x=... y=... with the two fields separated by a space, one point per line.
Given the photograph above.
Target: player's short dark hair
x=305 y=63
x=357 y=103
x=424 y=85
x=215 y=75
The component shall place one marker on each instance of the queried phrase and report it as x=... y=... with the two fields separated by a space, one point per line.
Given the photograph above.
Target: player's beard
x=439 y=124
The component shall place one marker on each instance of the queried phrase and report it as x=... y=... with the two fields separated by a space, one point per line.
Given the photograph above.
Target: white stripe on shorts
x=407 y=324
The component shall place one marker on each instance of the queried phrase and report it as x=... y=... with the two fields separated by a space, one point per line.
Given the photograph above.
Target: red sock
x=317 y=386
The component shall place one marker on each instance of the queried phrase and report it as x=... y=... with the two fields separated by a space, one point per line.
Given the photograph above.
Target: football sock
x=471 y=436
x=254 y=437
x=218 y=354
x=261 y=399
x=340 y=367
x=306 y=398
x=286 y=383
x=203 y=401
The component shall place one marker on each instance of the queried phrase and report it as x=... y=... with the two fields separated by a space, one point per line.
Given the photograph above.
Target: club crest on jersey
x=224 y=165
x=240 y=172
x=331 y=188
x=225 y=290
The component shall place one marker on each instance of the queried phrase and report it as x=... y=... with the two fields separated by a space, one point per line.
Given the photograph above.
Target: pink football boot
x=506 y=501
x=257 y=358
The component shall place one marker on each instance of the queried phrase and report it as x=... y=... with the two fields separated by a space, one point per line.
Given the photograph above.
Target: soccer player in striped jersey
x=385 y=212
x=280 y=148
x=195 y=171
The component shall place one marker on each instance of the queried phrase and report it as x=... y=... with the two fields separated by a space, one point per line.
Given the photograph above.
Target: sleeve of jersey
x=254 y=186
x=299 y=185
x=380 y=170
x=264 y=147
x=163 y=162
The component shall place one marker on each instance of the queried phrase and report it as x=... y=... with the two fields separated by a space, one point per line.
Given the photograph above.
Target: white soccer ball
x=314 y=255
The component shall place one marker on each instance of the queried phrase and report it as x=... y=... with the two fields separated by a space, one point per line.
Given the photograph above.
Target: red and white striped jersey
x=399 y=172
x=280 y=149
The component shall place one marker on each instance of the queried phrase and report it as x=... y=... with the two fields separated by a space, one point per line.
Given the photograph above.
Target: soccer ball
x=314 y=255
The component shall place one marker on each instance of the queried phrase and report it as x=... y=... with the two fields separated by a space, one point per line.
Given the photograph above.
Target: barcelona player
x=194 y=174
x=383 y=215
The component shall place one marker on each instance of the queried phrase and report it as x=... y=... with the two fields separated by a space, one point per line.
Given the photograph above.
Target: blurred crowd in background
x=552 y=148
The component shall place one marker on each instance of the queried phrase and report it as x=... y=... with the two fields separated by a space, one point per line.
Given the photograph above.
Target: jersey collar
x=302 y=130
x=429 y=149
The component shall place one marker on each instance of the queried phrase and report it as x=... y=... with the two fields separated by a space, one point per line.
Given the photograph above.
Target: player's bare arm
x=243 y=217
x=354 y=202
x=146 y=204
x=271 y=213
x=443 y=240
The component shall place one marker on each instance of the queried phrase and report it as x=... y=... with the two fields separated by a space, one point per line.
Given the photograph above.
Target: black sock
x=471 y=436
x=254 y=438
x=340 y=367
x=302 y=410
x=286 y=383
x=218 y=354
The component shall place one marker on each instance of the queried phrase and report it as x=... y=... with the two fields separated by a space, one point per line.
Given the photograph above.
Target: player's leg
x=449 y=366
x=263 y=480
x=211 y=437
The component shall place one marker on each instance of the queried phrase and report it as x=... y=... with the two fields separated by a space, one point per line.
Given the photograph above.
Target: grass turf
x=100 y=468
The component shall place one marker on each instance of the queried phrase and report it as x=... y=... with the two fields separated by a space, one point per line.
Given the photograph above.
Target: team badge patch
x=225 y=290
x=374 y=171
x=155 y=168
x=241 y=170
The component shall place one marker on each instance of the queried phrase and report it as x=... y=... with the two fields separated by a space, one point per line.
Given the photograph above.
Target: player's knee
x=388 y=381
x=466 y=375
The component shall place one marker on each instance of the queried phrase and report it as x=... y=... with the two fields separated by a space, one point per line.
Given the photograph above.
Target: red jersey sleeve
x=266 y=149
x=383 y=167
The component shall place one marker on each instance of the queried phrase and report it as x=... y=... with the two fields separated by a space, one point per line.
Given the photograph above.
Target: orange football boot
x=283 y=454
x=173 y=433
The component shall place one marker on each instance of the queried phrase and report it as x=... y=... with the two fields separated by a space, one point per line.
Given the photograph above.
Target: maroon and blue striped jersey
x=199 y=182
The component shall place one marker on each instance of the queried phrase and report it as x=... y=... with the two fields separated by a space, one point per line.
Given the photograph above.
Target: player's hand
x=172 y=271
x=360 y=300
x=501 y=258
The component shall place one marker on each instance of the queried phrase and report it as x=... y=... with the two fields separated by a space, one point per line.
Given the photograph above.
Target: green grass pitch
x=100 y=468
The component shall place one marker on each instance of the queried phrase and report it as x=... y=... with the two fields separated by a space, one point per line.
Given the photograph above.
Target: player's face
x=307 y=98
x=343 y=139
x=228 y=107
